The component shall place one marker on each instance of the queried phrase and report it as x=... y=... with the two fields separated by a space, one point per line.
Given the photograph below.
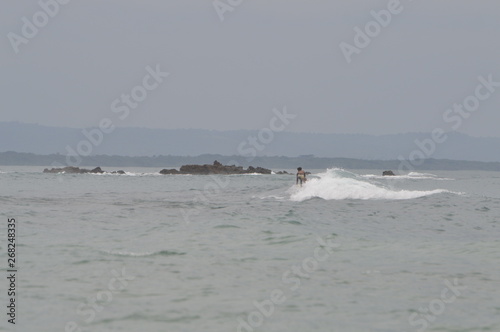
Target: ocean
x=349 y=251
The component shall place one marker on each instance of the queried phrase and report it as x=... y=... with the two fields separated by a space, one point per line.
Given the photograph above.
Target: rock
x=77 y=170
x=282 y=172
x=262 y=170
x=215 y=168
x=97 y=170
x=169 y=171
x=388 y=173
x=67 y=170
x=211 y=169
x=259 y=170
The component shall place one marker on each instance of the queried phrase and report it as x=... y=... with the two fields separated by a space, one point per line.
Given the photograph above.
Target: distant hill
x=32 y=138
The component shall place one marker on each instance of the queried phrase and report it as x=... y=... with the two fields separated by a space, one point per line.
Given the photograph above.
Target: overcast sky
x=265 y=54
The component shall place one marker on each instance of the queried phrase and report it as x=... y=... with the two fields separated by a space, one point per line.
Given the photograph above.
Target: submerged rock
x=388 y=173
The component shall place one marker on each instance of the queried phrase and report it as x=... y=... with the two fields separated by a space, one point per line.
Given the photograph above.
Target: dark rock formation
x=169 y=171
x=69 y=170
x=283 y=172
x=388 y=173
x=97 y=170
x=77 y=170
x=259 y=170
x=262 y=170
x=215 y=168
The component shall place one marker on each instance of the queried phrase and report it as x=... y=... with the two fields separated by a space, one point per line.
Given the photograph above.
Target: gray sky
x=265 y=54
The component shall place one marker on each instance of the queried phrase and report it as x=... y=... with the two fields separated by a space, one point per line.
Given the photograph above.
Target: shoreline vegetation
x=272 y=162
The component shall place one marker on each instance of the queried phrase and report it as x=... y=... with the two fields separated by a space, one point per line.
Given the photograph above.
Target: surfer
x=301 y=176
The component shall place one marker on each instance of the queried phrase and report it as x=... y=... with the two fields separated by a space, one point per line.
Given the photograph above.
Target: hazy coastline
x=276 y=162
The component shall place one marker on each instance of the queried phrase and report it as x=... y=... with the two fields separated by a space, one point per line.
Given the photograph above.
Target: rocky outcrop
x=73 y=170
x=215 y=168
x=388 y=173
x=259 y=170
x=97 y=170
x=169 y=171
x=69 y=170
x=77 y=170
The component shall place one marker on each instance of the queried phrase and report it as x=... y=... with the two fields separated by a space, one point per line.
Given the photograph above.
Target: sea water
x=348 y=251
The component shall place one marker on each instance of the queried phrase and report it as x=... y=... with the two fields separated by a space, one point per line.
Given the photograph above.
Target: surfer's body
x=301 y=176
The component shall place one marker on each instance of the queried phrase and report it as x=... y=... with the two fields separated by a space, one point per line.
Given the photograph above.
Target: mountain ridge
x=130 y=141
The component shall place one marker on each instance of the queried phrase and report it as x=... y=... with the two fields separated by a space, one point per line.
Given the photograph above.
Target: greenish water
x=349 y=251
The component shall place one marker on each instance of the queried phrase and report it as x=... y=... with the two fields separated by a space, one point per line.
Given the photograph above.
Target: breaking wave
x=409 y=176
x=338 y=184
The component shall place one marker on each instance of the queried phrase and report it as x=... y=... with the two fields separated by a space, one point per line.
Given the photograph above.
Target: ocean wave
x=338 y=184
x=276 y=197
x=145 y=254
x=417 y=174
x=127 y=174
x=409 y=176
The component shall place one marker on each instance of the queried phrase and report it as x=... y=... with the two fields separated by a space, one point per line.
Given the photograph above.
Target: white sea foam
x=417 y=174
x=127 y=174
x=337 y=184
x=276 y=197
x=409 y=176
x=141 y=174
